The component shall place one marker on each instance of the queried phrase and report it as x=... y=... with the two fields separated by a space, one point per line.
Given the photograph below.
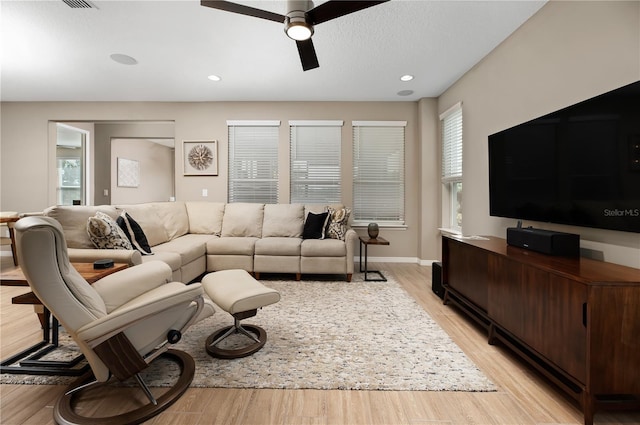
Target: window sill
x=362 y=225
x=451 y=232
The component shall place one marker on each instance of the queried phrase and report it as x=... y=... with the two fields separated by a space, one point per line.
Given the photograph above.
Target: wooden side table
x=366 y=241
x=9 y=221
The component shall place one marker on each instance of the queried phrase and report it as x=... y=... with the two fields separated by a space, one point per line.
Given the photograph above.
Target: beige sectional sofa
x=198 y=237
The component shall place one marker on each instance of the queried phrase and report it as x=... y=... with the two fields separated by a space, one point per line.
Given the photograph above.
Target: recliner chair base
x=64 y=409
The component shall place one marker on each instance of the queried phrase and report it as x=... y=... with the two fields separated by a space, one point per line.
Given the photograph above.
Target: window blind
x=315 y=162
x=253 y=162
x=378 y=172
x=452 y=144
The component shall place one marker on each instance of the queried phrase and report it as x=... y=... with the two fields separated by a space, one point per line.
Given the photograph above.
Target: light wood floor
x=522 y=398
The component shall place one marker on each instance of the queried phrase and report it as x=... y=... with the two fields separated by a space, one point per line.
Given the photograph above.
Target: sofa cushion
x=283 y=220
x=231 y=246
x=73 y=220
x=338 y=223
x=173 y=259
x=189 y=247
x=278 y=246
x=323 y=248
x=134 y=233
x=243 y=220
x=205 y=217
x=105 y=233
x=315 y=226
x=148 y=218
x=174 y=217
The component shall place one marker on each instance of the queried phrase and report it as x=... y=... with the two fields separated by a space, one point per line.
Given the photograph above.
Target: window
x=451 y=123
x=378 y=172
x=253 y=161
x=315 y=161
x=70 y=165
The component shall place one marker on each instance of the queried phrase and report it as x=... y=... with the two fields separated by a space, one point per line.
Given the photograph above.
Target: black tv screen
x=579 y=165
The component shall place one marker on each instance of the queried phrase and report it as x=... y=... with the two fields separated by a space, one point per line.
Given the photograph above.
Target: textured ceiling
x=51 y=52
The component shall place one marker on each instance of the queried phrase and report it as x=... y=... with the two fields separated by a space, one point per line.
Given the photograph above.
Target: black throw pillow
x=314 y=226
x=134 y=233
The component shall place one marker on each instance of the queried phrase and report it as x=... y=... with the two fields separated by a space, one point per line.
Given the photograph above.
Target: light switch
x=205 y=192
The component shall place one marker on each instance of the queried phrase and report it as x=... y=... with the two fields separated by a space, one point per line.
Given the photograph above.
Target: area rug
x=330 y=335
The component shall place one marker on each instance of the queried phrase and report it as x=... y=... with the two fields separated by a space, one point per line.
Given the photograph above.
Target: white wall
x=566 y=53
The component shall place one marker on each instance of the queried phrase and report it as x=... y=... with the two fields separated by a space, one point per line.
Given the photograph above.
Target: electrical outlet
x=105 y=192
x=205 y=192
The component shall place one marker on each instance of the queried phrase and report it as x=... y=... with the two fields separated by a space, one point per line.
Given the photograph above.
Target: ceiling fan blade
x=307 y=54
x=337 y=8
x=243 y=10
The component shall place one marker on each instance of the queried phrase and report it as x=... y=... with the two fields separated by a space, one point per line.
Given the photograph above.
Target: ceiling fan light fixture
x=296 y=26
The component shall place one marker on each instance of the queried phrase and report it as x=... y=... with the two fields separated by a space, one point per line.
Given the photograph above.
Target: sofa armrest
x=88 y=255
x=350 y=239
x=152 y=303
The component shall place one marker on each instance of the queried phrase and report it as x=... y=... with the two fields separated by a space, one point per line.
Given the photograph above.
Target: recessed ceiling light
x=405 y=92
x=214 y=77
x=406 y=77
x=123 y=59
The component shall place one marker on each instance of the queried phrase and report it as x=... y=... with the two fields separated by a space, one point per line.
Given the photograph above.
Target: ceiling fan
x=299 y=21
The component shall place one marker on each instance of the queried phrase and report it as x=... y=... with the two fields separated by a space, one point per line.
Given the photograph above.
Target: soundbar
x=545 y=241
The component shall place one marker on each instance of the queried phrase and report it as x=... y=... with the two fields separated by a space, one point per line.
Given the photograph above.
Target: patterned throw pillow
x=338 y=219
x=134 y=233
x=105 y=233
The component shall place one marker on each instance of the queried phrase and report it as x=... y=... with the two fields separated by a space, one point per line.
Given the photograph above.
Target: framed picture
x=128 y=172
x=200 y=157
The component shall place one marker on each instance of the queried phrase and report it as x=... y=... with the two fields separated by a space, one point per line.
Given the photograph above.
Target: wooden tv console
x=576 y=320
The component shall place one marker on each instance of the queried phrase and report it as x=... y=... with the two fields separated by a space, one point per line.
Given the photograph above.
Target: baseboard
x=388 y=259
x=412 y=260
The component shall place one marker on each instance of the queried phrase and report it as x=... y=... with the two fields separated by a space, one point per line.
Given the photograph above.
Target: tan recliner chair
x=121 y=323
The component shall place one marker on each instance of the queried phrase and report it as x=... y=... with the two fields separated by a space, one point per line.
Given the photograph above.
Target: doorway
x=71 y=165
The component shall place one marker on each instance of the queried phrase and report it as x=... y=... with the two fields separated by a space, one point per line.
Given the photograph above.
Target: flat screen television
x=578 y=166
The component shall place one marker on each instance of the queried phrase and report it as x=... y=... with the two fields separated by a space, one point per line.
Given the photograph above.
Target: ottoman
x=239 y=294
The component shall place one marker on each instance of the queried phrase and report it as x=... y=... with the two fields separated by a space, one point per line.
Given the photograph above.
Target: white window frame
x=252 y=165
x=451 y=124
x=386 y=148
x=315 y=161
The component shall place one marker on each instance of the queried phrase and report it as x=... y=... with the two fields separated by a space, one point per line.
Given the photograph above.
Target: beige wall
x=566 y=53
x=156 y=176
x=429 y=177
x=105 y=132
x=25 y=140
